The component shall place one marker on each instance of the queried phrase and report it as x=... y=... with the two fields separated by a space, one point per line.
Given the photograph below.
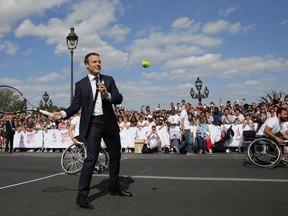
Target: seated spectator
x=209 y=145
x=154 y=141
x=202 y=128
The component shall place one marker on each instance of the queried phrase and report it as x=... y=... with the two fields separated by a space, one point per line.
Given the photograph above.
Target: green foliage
x=11 y=101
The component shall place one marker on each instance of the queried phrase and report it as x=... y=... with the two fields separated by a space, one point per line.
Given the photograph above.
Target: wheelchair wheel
x=264 y=153
x=73 y=157
x=102 y=162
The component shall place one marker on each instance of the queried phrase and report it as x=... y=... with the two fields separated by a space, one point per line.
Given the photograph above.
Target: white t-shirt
x=184 y=116
x=175 y=119
x=272 y=123
x=76 y=121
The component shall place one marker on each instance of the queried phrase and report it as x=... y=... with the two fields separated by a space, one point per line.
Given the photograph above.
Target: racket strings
x=11 y=101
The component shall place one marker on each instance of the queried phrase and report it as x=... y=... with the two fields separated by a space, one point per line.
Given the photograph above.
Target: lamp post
x=47 y=103
x=50 y=103
x=199 y=95
x=45 y=98
x=72 y=41
x=41 y=103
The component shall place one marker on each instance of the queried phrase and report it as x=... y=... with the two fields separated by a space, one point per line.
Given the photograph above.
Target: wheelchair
x=266 y=153
x=73 y=157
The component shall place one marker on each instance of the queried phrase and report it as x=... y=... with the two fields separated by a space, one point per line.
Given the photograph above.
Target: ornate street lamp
x=199 y=95
x=41 y=103
x=72 y=41
x=50 y=103
x=45 y=98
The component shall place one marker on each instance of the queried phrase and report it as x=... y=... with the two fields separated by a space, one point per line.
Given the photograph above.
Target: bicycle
x=266 y=153
x=73 y=157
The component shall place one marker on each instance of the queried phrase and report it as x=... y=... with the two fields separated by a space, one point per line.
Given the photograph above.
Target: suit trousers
x=97 y=131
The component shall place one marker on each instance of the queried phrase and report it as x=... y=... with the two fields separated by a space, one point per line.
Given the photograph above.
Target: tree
x=270 y=97
x=11 y=101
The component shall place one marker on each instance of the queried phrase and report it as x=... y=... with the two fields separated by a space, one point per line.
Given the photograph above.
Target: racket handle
x=44 y=112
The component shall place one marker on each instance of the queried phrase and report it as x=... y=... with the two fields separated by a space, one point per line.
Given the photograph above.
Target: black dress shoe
x=83 y=202
x=120 y=193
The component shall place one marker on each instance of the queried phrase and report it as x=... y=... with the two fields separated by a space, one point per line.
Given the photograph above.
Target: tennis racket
x=12 y=101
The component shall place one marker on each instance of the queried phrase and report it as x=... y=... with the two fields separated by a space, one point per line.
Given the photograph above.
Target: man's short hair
x=280 y=110
x=88 y=55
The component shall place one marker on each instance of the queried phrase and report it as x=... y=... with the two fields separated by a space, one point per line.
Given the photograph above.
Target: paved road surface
x=162 y=184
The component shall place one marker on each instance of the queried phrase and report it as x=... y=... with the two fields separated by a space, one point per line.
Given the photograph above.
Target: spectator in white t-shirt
x=174 y=130
x=273 y=127
x=239 y=118
x=151 y=122
x=185 y=127
x=73 y=129
x=226 y=117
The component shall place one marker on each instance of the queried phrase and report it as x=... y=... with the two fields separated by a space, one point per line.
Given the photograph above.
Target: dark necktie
x=97 y=78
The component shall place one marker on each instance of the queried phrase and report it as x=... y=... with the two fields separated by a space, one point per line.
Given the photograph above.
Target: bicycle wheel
x=264 y=153
x=73 y=157
x=102 y=162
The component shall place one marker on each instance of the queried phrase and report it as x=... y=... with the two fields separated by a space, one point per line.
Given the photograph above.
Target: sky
x=237 y=48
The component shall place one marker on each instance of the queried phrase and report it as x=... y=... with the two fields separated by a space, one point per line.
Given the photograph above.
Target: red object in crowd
x=209 y=144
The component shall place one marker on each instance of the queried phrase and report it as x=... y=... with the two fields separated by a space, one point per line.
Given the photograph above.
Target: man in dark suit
x=96 y=93
x=10 y=131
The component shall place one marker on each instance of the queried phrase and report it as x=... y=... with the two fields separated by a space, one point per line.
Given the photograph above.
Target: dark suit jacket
x=84 y=97
x=9 y=129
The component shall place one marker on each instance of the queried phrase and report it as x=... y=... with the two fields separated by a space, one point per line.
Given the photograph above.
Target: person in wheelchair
x=73 y=129
x=273 y=127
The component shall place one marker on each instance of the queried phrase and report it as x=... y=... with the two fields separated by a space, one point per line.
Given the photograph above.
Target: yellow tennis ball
x=145 y=63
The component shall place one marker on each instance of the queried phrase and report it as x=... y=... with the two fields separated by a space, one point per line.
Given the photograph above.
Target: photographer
x=154 y=140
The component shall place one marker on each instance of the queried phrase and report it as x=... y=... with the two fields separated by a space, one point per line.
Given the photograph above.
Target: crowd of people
x=236 y=112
